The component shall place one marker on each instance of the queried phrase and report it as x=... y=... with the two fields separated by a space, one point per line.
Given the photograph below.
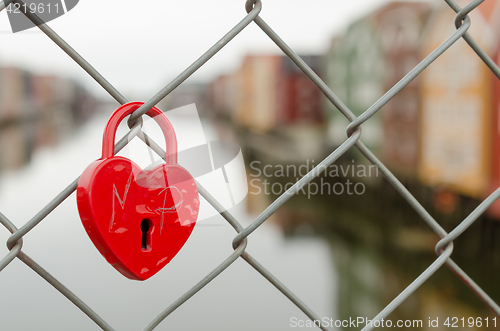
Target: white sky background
x=140 y=46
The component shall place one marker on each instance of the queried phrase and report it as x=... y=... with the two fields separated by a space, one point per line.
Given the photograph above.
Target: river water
x=239 y=299
x=339 y=260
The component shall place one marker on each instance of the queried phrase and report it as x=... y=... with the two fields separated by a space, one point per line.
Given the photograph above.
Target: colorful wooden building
x=456 y=106
x=354 y=70
x=273 y=92
x=399 y=29
x=221 y=95
x=257 y=81
x=494 y=210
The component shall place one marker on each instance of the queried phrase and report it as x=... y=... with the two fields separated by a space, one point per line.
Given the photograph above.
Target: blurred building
x=298 y=99
x=399 y=29
x=354 y=70
x=222 y=95
x=273 y=92
x=186 y=94
x=14 y=84
x=36 y=111
x=494 y=210
x=279 y=107
x=456 y=105
x=440 y=129
x=15 y=145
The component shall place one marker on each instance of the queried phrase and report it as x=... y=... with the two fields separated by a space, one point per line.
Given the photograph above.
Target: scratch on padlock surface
x=120 y=201
x=172 y=209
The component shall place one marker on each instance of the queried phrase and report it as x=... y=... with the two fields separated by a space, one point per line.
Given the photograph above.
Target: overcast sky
x=139 y=46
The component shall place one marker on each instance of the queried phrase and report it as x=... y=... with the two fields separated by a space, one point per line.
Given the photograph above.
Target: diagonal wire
x=51 y=279
x=433 y=224
x=468 y=38
x=63 y=195
x=463 y=24
x=71 y=52
x=239 y=251
x=353 y=126
x=404 y=82
x=71 y=188
x=197 y=64
x=329 y=94
x=296 y=187
x=409 y=77
x=64 y=291
x=15 y=240
x=236 y=225
x=283 y=289
x=467 y=222
x=334 y=99
x=223 y=266
x=473 y=286
x=411 y=288
x=464 y=225
x=16 y=249
x=339 y=105
x=302 y=65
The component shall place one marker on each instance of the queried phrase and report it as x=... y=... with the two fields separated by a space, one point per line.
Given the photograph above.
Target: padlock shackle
x=108 y=141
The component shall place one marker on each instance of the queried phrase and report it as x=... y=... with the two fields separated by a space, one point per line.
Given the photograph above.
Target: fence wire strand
x=444 y=247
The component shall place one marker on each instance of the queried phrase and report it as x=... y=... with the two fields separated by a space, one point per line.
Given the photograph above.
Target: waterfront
x=62 y=247
x=342 y=260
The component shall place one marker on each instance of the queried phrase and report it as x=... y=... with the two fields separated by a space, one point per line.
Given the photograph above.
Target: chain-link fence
x=444 y=247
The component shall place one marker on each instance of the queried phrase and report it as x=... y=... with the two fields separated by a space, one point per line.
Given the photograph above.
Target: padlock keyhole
x=146 y=228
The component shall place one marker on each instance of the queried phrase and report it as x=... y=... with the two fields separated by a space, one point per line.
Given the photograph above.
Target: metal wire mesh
x=444 y=247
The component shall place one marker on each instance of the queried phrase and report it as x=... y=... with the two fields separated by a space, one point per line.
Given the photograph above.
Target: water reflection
x=238 y=299
x=376 y=258
x=341 y=259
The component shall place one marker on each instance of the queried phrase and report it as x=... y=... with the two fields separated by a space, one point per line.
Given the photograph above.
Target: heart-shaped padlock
x=138 y=219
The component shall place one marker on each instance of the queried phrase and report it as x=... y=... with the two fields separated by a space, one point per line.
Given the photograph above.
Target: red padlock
x=138 y=219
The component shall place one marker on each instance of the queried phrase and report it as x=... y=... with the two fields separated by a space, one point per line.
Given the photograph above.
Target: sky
x=141 y=46
x=61 y=246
